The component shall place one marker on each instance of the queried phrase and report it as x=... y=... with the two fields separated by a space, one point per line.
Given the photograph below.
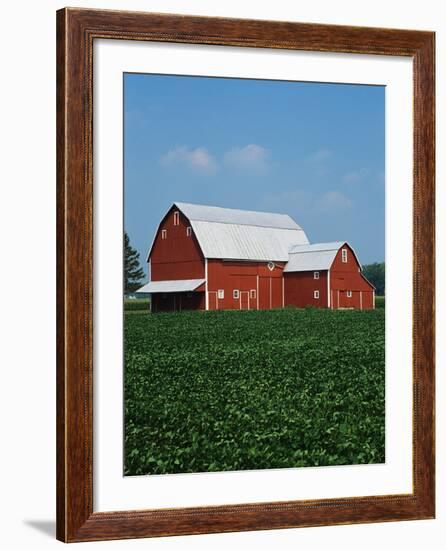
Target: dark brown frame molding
x=76 y=31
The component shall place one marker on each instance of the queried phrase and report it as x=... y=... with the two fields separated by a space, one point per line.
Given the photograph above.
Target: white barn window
x=164 y=233
x=188 y=231
x=316 y=294
x=344 y=255
x=176 y=218
x=316 y=275
x=253 y=293
x=221 y=294
x=236 y=294
x=349 y=293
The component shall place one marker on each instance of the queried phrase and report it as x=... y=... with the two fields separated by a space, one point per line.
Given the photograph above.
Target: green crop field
x=136 y=305
x=216 y=391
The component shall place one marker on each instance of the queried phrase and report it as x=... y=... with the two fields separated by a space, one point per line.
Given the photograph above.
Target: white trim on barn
x=206 y=291
x=328 y=288
x=257 y=292
x=241 y=294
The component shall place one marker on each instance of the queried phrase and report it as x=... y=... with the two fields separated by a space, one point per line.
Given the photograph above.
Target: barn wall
x=300 y=287
x=245 y=277
x=345 y=267
x=359 y=299
x=178 y=256
x=347 y=276
x=368 y=300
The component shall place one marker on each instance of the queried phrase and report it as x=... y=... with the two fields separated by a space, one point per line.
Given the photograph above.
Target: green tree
x=133 y=272
x=376 y=274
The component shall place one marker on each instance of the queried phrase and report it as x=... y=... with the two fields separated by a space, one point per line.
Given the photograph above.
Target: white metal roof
x=242 y=234
x=186 y=285
x=198 y=212
x=245 y=242
x=312 y=257
x=317 y=247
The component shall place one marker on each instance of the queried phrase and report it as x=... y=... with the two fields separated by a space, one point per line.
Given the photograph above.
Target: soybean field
x=247 y=390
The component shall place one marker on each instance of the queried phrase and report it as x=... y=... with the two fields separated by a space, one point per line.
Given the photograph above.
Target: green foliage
x=231 y=390
x=376 y=274
x=137 y=305
x=133 y=272
x=380 y=302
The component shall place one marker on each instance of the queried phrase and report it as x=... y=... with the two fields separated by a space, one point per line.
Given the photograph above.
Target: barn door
x=212 y=298
x=244 y=299
x=349 y=299
x=342 y=299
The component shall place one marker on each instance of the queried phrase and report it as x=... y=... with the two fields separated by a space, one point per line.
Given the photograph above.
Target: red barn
x=206 y=257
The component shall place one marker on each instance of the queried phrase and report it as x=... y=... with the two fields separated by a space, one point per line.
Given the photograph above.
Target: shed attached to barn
x=207 y=257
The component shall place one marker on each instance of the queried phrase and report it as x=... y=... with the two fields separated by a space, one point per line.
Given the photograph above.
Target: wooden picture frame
x=76 y=31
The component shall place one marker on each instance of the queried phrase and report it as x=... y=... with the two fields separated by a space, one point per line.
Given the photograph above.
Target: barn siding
x=347 y=276
x=300 y=287
x=368 y=300
x=245 y=277
x=178 y=256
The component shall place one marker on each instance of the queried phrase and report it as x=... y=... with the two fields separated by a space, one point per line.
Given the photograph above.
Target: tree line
x=376 y=274
x=133 y=272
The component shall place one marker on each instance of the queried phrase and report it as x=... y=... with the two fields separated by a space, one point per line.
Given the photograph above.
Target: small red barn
x=206 y=257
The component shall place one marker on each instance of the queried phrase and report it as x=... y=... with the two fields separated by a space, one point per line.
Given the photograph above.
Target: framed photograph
x=245 y=275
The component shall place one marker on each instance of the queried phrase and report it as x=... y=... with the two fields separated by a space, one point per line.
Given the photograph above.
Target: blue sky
x=313 y=151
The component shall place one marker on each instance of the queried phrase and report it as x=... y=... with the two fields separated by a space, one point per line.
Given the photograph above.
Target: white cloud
x=355 y=176
x=250 y=157
x=198 y=159
x=305 y=202
x=297 y=199
x=333 y=201
x=321 y=155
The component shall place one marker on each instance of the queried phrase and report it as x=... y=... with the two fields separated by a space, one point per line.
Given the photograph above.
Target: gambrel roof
x=216 y=214
x=314 y=257
x=230 y=234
